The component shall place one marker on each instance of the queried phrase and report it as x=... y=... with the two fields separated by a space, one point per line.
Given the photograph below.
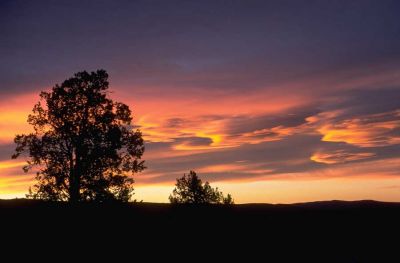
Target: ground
x=334 y=231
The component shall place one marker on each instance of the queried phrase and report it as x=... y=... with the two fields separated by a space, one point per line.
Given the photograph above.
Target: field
x=333 y=231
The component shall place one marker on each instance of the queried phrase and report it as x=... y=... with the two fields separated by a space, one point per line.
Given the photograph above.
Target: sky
x=271 y=101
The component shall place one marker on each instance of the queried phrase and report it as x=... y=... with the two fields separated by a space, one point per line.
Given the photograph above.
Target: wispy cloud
x=339 y=156
x=373 y=130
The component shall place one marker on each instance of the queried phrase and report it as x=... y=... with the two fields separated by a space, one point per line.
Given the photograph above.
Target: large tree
x=84 y=146
x=189 y=189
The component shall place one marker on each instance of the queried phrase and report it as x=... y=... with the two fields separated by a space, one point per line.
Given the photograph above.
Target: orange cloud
x=15 y=186
x=267 y=135
x=13 y=181
x=11 y=123
x=373 y=130
x=197 y=108
x=14 y=114
x=222 y=168
x=376 y=180
x=339 y=156
x=11 y=164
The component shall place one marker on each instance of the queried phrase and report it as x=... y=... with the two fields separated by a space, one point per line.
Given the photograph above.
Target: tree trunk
x=74 y=185
x=74 y=191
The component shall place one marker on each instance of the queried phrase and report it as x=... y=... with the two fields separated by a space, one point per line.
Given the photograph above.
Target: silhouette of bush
x=189 y=189
x=83 y=144
x=228 y=200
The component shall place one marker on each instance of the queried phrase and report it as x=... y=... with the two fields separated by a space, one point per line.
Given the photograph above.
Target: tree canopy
x=84 y=145
x=189 y=189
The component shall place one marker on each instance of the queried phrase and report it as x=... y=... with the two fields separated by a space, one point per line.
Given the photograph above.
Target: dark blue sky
x=153 y=42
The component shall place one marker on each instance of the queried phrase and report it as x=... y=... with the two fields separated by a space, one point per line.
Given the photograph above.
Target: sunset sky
x=271 y=101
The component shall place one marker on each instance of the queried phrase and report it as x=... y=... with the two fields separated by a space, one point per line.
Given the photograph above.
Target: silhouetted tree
x=191 y=190
x=228 y=200
x=83 y=145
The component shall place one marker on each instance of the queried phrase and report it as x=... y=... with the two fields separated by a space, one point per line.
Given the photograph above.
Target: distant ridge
x=328 y=204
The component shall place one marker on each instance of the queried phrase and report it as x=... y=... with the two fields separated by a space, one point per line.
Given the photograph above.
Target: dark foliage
x=191 y=190
x=84 y=146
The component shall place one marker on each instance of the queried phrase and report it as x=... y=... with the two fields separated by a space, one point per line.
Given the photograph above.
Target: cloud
x=5 y=165
x=250 y=160
x=6 y=151
x=339 y=156
x=16 y=185
x=265 y=144
x=375 y=130
x=266 y=135
x=194 y=143
x=295 y=140
x=373 y=99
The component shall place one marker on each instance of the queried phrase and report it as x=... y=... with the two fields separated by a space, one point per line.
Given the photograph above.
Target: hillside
x=342 y=231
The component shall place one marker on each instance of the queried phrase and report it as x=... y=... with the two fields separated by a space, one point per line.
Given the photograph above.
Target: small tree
x=83 y=144
x=228 y=200
x=191 y=190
